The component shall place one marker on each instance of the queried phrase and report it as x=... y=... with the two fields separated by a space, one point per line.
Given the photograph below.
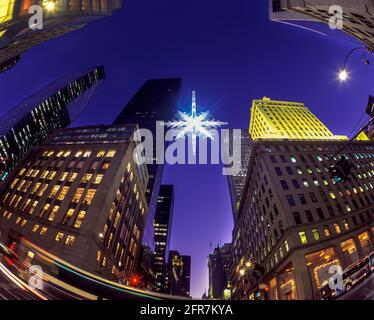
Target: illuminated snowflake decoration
x=194 y=124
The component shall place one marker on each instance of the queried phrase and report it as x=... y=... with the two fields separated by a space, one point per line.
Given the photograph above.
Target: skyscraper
x=294 y=220
x=53 y=107
x=358 y=15
x=162 y=225
x=156 y=100
x=59 y=17
x=219 y=264
x=179 y=274
x=80 y=196
x=236 y=182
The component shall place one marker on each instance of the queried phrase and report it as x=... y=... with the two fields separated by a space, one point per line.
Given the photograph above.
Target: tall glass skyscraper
x=53 y=107
x=155 y=101
x=59 y=17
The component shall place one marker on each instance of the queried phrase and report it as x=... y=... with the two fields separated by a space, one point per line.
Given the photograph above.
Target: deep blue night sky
x=230 y=53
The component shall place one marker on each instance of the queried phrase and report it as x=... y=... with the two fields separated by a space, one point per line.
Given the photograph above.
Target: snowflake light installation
x=194 y=124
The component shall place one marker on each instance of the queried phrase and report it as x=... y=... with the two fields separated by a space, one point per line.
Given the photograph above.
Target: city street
x=364 y=291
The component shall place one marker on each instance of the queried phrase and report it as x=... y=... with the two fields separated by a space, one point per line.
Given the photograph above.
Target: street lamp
x=50 y=5
x=343 y=73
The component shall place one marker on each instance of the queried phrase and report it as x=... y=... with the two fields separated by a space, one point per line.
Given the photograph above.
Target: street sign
x=370 y=107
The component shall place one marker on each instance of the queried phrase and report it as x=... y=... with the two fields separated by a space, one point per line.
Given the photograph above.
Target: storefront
x=320 y=265
x=365 y=242
x=350 y=251
x=273 y=293
x=287 y=283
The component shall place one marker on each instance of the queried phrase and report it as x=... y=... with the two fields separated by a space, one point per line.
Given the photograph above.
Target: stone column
x=304 y=285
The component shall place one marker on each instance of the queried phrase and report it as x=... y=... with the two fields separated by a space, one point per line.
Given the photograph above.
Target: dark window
x=275 y=210
x=283 y=158
x=273 y=159
x=320 y=213
x=296 y=184
x=302 y=198
x=297 y=218
x=313 y=197
x=291 y=201
x=309 y=215
x=289 y=171
x=284 y=185
x=330 y=210
x=355 y=222
x=278 y=171
x=323 y=195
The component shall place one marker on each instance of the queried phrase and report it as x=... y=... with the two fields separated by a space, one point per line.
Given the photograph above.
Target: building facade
x=59 y=17
x=179 y=274
x=81 y=197
x=358 y=15
x=156 y=100
x=162 y=225
x=236 y=182
x=295 y=221
x=53 y=107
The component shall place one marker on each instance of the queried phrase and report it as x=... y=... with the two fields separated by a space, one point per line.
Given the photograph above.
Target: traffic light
x=135 y=281
x=341 y=170
x=370 y=107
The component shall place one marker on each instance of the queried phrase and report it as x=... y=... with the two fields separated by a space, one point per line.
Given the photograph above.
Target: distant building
x=179 y=268
x=358 y=15
x=294 y=220
x=219 y=263
x=236 y=182
x=53 y=107
x=81 y=197
x=162 y=224
x=59 y=17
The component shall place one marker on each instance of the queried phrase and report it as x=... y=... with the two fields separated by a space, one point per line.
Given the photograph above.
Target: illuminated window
x=44 y=174
x=303 y=237
x=116 y=220
x=105 y=165
x=98 y=178
x=68 y=216
x=78 y=154
x=53 y=213
x=42 y=189
x=67 y=153
x=59 y=236
x=86 y=154
x=109 y=240
x=26 y=204
x=100 y=154
x=63 y=193
x=33 y=206
x=72 y=177
x=18 y=220
x=346 y=225
x=89 y=196
x=24 y=221
x=44 y=210
x=326 y=230
x=87 y=177
x=64 y=175
x=128 y=167
x=35 y=228
x=52 y=175
x=111 y=153
x=98 y=256
x=70 y=240
x=315 y=234
x=54 y=191
x=78 y=195
x=332 y=195
x=79 y=219
x=43 y=231
x=337 y=228
x=286 y=246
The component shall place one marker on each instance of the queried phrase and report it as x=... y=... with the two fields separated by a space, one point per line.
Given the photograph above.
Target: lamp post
x=343 y=73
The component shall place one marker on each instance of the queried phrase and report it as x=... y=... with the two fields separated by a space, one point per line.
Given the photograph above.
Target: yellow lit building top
x=362 y=137
x=6 y=10
x=286 y=120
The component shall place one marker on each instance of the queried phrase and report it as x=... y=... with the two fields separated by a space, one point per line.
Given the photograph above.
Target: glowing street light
x=50 y=5
x=343 y=75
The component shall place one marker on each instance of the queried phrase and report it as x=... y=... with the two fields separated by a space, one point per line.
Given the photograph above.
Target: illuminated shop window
x=303 y=237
